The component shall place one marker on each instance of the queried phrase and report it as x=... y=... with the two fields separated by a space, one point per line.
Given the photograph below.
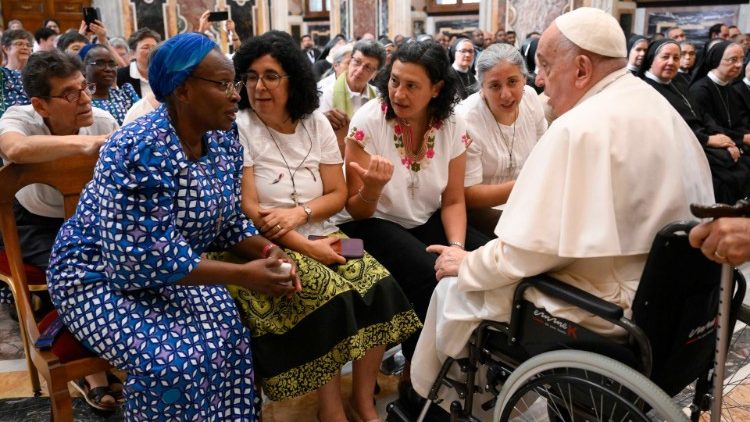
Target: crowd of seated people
x=439 y=154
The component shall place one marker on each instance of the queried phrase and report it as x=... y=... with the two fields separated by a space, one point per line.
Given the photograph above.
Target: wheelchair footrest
x=396 y=413
x=489 y=404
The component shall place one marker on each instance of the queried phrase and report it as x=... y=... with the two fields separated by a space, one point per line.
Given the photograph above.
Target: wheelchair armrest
x=570 y=294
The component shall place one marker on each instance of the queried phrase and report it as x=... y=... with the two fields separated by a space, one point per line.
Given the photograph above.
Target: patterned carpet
x=37 y=408
x=10 y=342
x=32 y=409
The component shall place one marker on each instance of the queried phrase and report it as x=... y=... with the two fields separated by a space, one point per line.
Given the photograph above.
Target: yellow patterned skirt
x=299 y=344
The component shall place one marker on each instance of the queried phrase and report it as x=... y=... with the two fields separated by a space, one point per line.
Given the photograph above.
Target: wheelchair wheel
x=572 y=386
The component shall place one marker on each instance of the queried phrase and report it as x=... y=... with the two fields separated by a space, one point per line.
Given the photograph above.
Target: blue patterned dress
x=11 y=89
x=11 y=93
x=119 y=101
x=140 y=227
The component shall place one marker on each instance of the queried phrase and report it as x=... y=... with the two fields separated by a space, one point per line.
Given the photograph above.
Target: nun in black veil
x=730 y=169
x=712 y=93
x=530 y=56
x=636 y=45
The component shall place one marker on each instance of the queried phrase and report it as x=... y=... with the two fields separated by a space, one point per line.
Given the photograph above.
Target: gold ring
x=278 y=226
x=720 y=256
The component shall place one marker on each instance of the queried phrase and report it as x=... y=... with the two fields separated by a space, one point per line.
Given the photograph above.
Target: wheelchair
x=539 y=367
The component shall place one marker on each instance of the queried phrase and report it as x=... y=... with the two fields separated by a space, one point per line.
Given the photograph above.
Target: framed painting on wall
x=320 y=34
x=456 y=25
x=694 y=20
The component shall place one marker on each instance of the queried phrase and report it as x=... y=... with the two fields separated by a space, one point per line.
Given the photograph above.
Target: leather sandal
x=95 y=396
x=115 y=386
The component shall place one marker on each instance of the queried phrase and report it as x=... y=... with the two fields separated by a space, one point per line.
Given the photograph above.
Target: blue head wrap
x=85 y=50
x=175 y=60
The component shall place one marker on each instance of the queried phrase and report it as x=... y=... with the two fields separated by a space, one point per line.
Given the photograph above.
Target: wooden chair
x=69 y=176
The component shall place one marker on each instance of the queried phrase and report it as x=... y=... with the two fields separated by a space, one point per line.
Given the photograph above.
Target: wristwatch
x=308 y=211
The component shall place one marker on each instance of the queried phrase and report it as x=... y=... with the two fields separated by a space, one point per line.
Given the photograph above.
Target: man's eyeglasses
x=102 y=64
x=72 y=96
x=356 y=62
x=21 y=43
x=270 y=80
x=230 y=87
x=465 y=51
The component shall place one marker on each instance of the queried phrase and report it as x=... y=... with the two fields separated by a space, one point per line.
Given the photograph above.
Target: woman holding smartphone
x=292 y=185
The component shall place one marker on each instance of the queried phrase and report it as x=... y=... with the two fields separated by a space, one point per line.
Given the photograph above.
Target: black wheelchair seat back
x=676 y=305
x=543 y=332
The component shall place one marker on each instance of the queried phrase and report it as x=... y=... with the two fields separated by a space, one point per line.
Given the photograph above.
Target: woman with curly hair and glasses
x=405 y=159
x=292 y=185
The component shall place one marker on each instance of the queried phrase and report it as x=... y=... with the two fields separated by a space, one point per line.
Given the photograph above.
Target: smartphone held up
x=91 y=14
x=218 y=16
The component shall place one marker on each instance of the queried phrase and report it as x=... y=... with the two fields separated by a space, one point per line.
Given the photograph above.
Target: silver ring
x=278 y=226
x=720 y=256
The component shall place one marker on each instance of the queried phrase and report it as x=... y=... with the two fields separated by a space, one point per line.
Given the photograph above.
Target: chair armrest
x=570 y=294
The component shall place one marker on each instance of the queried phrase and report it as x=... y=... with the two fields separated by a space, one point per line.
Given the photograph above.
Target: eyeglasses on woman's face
x=270 y=80
x=73 y=95
x=230 y=87
x=359 y=63
x=21 y=44
x=103 y=64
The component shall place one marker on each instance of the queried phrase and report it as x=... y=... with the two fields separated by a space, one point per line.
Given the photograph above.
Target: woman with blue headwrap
x=100 y=68
x=127 y=273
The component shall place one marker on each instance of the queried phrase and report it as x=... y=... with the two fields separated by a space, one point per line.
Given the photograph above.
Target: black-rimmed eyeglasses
x=230 y=87
x=102 y=64
x=270 y=80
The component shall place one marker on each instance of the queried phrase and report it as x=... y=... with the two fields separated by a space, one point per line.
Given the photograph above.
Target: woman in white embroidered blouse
x=405 y=161
x=510 y=120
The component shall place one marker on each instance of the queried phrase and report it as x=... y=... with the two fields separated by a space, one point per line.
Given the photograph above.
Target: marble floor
x=15 y=383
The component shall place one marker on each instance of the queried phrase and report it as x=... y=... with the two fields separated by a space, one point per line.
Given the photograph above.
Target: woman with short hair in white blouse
x=509 y=119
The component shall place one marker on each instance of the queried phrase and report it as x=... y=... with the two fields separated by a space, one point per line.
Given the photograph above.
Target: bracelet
x=457 y=243
x=365 y=200
x=267 y=250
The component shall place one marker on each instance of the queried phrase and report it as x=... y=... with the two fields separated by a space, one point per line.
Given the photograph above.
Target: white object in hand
x=285 y=268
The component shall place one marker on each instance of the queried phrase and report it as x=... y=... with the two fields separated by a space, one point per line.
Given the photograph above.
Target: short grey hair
x=496 y=54
x=341 y=52
x=119 y=42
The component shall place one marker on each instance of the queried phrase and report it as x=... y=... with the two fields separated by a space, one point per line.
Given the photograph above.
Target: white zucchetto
x=593 y=30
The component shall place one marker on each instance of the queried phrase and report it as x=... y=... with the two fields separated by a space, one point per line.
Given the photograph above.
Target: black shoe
x=412 y=403
x=394 y=365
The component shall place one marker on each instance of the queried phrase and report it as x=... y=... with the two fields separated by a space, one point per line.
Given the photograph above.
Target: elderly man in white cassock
x=617 y=165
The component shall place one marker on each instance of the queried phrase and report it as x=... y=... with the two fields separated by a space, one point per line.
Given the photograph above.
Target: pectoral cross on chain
x=295 y=196
x=413 y=189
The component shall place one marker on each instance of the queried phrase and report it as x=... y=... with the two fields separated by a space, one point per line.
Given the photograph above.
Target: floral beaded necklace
x=403 y=139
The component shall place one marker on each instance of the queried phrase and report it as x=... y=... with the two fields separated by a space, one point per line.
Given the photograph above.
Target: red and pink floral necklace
x=403 y=140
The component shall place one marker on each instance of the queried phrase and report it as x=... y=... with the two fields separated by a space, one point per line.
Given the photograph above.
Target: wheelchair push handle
x=740 y=209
